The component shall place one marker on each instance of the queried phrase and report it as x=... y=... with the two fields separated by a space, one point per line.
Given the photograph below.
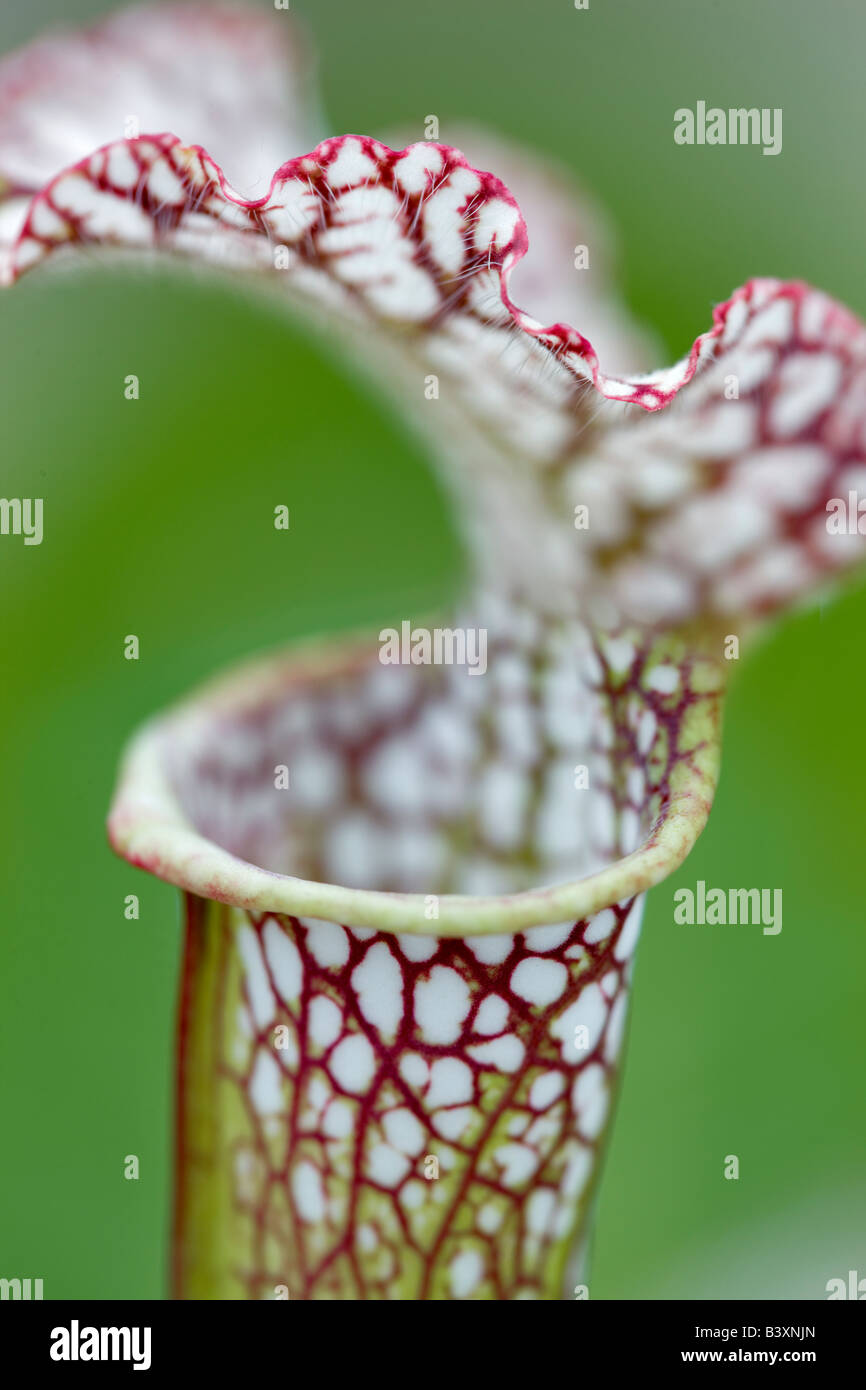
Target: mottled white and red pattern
x=414 y=779
x=713 y=502
x=336 y=1063
x=413 y=1117
x=333 y=1043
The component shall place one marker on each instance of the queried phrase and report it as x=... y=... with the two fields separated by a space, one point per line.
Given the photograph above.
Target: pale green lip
x=148 y=827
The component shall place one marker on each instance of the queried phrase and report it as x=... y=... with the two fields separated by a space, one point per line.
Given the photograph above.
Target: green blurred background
x=158 y=522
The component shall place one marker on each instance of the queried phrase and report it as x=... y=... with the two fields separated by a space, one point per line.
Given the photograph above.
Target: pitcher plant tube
x=414 y=886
